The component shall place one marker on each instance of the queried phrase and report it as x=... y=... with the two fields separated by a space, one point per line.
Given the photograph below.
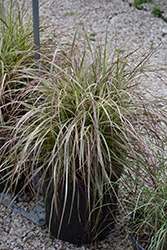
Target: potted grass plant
x=16 y=53
x=86 y=122
x=148 y=223
x=144 y=199
x=16 y=49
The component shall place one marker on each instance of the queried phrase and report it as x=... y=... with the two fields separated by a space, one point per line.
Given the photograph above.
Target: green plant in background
x=138 y=3
x=80 y=23
x=156 y=11
x=69 y=14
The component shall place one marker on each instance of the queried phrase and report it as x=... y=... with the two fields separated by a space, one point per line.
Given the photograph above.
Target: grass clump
x=16 y=52
x=149 y=214
x=16 y=47
x=16 y=38
x=86 y=120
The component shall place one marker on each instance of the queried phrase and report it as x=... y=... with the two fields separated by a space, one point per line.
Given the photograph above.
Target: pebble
x=127 y=26
x=164 y=17
x=164 y=31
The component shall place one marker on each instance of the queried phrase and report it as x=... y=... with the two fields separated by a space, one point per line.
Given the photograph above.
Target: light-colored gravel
x=128 y=27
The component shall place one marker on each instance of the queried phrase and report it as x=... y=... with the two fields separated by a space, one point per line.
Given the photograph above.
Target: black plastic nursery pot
x=133 y=236
x=79 y=228
x=14 y=188
x=135 y=244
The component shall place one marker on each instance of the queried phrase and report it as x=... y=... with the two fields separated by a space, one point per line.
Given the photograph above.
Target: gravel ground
x=128 y=27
